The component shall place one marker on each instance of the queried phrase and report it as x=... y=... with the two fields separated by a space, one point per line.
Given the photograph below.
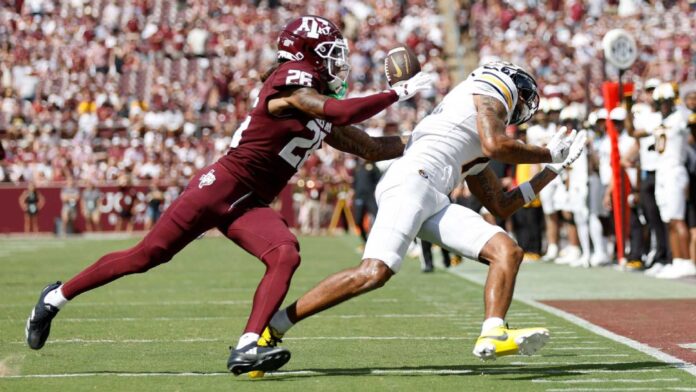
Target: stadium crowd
x=105 y=91
x=101 y=90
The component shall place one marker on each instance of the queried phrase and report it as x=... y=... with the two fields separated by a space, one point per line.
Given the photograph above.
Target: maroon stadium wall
x=12 y=216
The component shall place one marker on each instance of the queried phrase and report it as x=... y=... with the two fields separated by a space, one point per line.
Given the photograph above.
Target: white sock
x=56 y=298
x=281 y=322
x=491 y=323
x=583 y=235
x=598 y=240
x=247 y=339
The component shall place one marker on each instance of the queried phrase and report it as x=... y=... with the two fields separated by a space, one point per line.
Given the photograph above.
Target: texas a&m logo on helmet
x=318 y=41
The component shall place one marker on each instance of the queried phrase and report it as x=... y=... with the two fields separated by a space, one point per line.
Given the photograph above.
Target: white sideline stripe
x=518 y=322
x=150 y=374
x=593 y=371
x=645 y=349
x=207 y=340
x=163 y=303
x=372 y=372
x=620 y=389
x=572 y=338
x=119 y=304
x=607 y=380
x=216 y=318
x=274 y=374
x=528 y=363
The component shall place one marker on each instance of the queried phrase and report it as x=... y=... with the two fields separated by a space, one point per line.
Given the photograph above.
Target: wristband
x=527 y=192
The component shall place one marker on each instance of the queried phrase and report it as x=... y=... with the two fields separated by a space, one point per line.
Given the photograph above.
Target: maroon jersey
x=267 y=150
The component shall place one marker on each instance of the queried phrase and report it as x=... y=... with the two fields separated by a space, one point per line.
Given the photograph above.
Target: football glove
x=574 y=151
x=406 y=89
x=559 y=144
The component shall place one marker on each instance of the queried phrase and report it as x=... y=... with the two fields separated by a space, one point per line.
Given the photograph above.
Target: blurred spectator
x=70 y=197
x=126 y=203
x=156 y=89
x=314 y=204
x=154 y=200
x=31 y=201
x=365 y=181
x=426 y=256
x=528 y=222
x=89 y=205
x=562 y=41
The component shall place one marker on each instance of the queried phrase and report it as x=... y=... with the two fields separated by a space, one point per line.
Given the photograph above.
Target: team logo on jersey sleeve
x=207 y=179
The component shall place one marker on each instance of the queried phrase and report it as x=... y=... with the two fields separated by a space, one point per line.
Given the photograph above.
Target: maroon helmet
x=318 y=41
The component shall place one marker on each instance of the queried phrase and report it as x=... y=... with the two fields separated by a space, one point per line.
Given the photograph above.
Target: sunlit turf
x=169 y=329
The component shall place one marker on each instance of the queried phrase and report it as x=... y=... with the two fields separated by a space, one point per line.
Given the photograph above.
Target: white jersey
x=648 y=122
x=626 y=143
x=446 y=142
x=671 y=139
x=540 y=135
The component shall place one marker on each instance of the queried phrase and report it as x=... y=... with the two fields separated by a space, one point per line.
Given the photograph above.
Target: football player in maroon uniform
x=293 y=114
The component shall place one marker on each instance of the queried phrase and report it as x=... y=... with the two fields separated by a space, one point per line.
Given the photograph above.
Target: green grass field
x=169 y=329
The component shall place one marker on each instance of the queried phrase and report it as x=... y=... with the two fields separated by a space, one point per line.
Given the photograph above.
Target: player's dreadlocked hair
x=270 y=71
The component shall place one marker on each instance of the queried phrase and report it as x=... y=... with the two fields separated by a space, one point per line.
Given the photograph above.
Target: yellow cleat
x=269 y=338
x=501 y=341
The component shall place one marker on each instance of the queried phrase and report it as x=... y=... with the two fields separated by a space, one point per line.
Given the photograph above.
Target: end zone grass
x=169 y=330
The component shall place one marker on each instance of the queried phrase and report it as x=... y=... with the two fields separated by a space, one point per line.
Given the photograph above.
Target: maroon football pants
x=213 y=199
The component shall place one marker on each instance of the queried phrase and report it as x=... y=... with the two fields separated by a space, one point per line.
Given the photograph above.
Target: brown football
x=400 y=64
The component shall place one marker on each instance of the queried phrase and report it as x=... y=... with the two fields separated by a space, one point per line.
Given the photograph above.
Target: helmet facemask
x=528 y=98
x=335 y=55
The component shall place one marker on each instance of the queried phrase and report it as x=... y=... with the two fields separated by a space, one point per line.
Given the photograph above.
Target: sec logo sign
x=620 y=48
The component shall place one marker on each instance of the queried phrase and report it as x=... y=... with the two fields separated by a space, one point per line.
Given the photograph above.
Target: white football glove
x=574 y=152
x=406 y=89
x=559 y=144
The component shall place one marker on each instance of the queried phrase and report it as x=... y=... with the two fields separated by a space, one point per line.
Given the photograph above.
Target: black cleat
x=257 y=358
x=39 y=322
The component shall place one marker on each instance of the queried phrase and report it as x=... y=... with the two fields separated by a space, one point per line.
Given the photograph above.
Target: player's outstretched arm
x=355 y=141
x=486 y=187
x=338 y=112
x=491 y=122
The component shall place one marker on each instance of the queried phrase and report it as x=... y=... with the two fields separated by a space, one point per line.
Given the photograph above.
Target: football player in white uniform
x=672 y=181
x=688 y=98
x=646 y=118
x=577 y=194
x=455 y=141
x=539 y=134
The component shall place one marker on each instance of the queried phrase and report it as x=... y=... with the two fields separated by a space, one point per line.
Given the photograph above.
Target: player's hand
x=574 y=151
x=406 y=89
x=559 y=145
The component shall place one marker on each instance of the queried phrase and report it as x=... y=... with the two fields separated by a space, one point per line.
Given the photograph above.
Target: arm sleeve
x=355 y=110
